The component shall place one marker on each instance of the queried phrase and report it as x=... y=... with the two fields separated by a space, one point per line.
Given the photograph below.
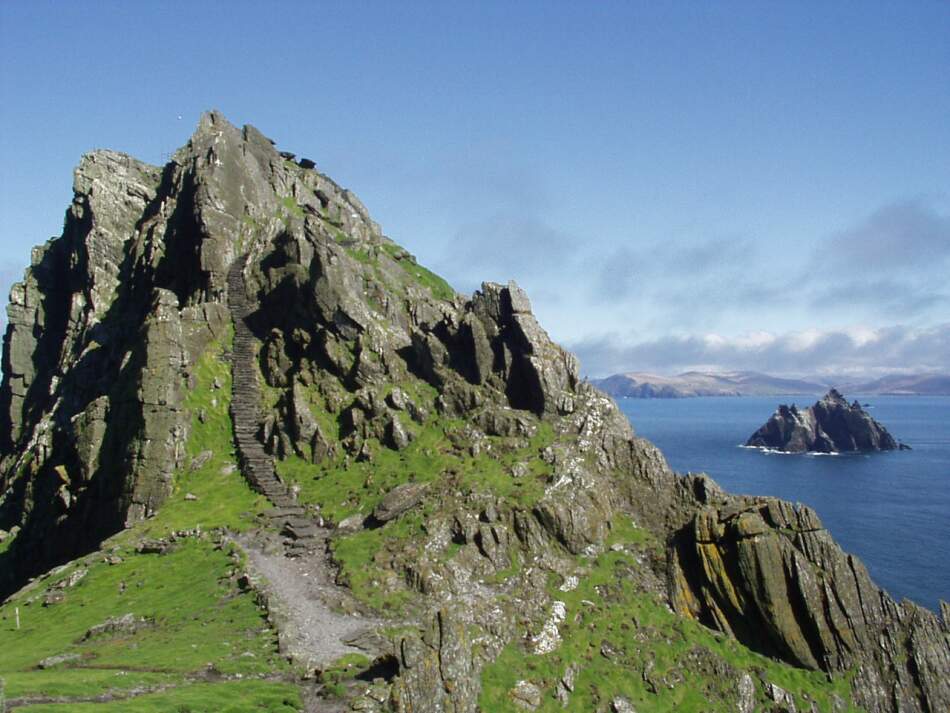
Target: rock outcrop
x=830 y=426
x=769 y=574
x=448 y=432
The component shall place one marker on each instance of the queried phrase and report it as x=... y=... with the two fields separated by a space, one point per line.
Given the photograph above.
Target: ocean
x=891 y=509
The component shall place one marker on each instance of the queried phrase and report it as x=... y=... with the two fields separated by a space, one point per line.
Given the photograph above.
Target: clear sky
x=737 y=185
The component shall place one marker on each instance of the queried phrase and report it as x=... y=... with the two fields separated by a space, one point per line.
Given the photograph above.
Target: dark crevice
x=385 y=667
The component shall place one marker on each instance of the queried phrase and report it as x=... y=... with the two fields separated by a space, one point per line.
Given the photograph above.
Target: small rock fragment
x=526 y=695
x=52 y=598
x=352 y=523
x=53 y=661
x=199 y=460
x=746 y=701
x=619 y=704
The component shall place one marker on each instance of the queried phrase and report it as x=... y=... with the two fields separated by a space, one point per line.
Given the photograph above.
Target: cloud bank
x=856 y=350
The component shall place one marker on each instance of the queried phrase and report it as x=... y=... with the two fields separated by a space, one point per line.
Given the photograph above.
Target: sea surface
x=891 y=509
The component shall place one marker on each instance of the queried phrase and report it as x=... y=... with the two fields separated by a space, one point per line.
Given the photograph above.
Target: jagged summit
x=235 y=319
x=831 y=425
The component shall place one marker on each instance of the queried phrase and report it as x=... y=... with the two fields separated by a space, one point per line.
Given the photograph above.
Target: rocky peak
x=106 y=327
x=834 y=397
x=372 y=382
x=831 y=425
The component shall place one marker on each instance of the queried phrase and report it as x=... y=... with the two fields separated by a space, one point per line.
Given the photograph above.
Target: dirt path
x=316 y=619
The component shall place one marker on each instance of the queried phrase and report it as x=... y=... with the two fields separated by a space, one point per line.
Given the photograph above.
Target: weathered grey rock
x=438 y=671
x=746 y=687
x=53 y=598
x=399 y=500
x=57 y=660
x=125 y=624
x=153 y=547
x=782 y=697
x=352 y=523
x=619 y=704
x=397 y=437
x=770 y=575
x=304 y=426
x=526 y=695
x=830 y=426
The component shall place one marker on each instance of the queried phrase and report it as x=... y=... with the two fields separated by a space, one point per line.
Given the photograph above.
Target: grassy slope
x=202 y=621
x=612 y=630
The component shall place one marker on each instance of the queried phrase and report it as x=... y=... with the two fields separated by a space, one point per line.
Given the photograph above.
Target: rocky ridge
x=463 y=478
x=830 y=426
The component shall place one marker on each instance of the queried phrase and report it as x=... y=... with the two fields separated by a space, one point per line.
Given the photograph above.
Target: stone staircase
x=257 y=466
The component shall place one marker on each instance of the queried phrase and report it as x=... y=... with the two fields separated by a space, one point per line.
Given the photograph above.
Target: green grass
x=439 y=288
x=6 y=544
x=342 y=487
x=290 y=208
x=607 y=608
x=359 y=556
x=222 y=697
x=198 y=617
x=70 y=682
x=224 y=498
x=361 y=255
x=491 y=471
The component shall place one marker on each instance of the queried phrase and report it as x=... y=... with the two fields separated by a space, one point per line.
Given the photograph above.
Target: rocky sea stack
x=256 y=457
x=832 y=425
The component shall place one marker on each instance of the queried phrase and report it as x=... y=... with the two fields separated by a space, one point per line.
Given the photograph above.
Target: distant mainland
x=752 y=383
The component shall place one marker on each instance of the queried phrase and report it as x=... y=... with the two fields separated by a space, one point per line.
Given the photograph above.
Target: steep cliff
x=512 y=542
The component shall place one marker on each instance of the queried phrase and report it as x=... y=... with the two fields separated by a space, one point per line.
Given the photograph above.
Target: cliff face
x=769 y=574
x=830 y=426
x=379 y=392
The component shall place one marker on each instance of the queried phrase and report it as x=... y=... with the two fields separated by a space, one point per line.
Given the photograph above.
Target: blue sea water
x=891 y=509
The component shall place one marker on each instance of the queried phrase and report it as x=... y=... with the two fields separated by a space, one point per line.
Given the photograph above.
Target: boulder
x=399 y=500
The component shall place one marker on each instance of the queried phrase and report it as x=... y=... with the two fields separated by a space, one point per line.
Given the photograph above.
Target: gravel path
x=312 y=628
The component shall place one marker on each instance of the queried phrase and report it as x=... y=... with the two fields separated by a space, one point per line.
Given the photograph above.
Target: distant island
x=642 y=385
x=830 y=426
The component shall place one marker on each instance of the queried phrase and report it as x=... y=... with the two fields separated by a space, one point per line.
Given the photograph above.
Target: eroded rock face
x=769 y=574
x=830 y=426
x=359 y=348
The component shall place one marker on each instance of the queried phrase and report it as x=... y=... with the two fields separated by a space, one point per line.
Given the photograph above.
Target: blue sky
x=734 y=185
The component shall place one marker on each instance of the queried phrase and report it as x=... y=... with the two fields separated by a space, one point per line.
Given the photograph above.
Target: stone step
x=298 y=533
x=299 y=521
x=288 y=512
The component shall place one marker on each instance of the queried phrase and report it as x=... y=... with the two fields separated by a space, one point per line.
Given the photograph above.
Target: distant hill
x=913 y=384
x=642 y=385
x=698 y=383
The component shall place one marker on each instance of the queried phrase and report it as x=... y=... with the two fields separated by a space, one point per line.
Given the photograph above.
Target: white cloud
x=855 y=349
